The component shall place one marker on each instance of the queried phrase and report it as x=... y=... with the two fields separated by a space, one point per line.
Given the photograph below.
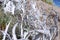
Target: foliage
x=3 y=21
x=48 y=1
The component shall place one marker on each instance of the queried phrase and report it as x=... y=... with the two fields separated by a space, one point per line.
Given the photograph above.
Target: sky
x=57 y=2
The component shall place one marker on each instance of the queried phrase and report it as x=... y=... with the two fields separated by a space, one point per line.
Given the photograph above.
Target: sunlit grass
x=48 y=1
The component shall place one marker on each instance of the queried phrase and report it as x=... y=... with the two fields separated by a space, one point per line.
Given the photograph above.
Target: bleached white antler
x=7 y=26
x=10 y=7
x=13 y=32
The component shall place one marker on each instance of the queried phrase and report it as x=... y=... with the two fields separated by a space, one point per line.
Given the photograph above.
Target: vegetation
x=48 y=1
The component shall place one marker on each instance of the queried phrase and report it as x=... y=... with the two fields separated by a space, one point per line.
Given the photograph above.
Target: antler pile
x=33 y=21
